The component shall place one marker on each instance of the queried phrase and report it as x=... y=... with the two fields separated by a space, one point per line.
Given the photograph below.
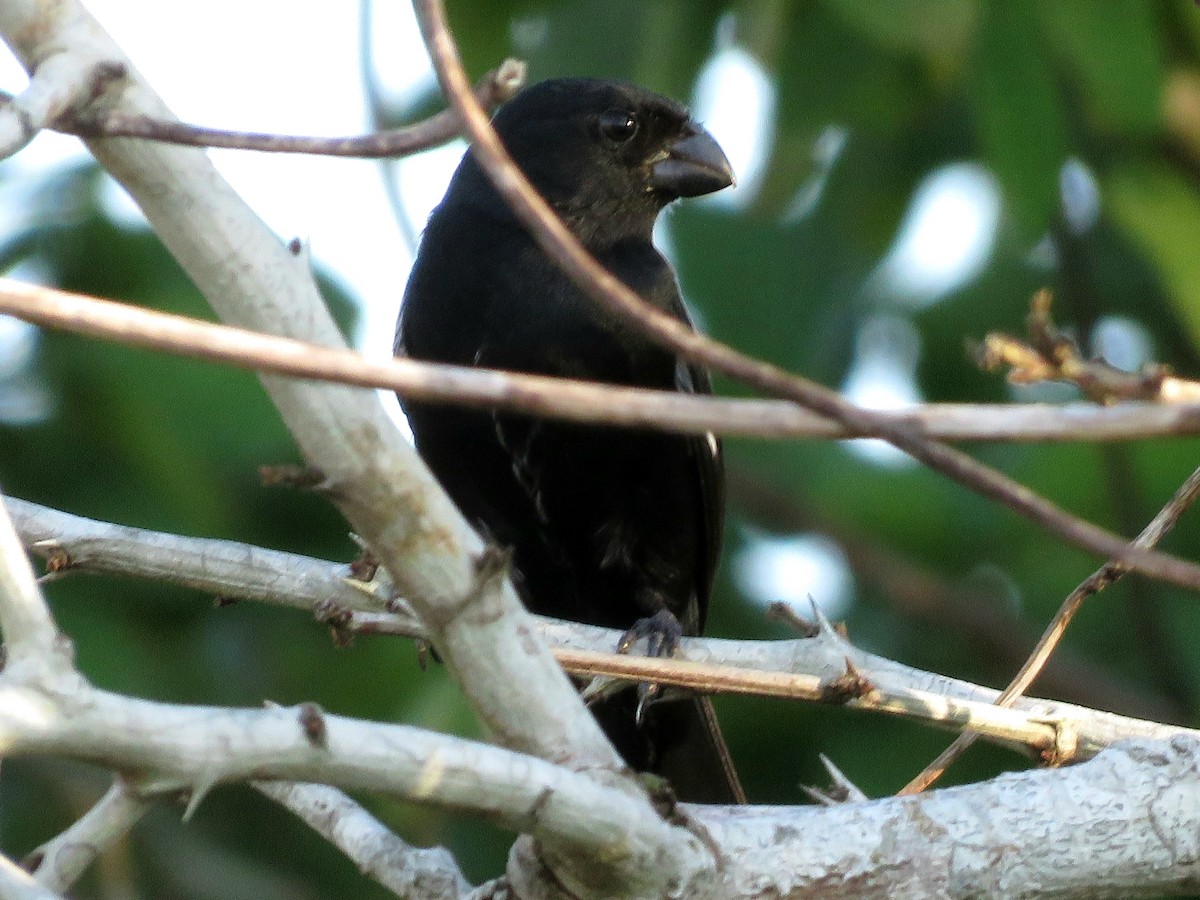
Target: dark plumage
x=612 y=527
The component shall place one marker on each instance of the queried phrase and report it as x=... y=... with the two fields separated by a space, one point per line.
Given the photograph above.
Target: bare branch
x=1034 y=733
x=1093 y=584
x=60 y=862
x=376 y=479
x=556 y=239
x=578 y=401
x=17 y=884
x=225 y=569
x=33 y=649
x=409 y=872
x=493 y=89
x=61 y=81
x=1123 y=825
x=197 y=747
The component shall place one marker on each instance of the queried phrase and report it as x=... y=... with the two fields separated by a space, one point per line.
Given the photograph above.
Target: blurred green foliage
x=908 y=87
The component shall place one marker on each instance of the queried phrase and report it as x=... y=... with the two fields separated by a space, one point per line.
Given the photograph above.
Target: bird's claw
x=648 y=692
x=663 y=634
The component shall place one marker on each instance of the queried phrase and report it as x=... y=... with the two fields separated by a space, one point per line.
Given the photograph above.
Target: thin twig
x=1030 y=731
x=494 y=88
x=1093 y=584
x=198 y=747
x=413 y=873
x=574 y=400
x=603 y=287
x=60 y=862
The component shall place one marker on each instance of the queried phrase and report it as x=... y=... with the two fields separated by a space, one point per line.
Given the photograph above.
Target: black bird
x=612 y=527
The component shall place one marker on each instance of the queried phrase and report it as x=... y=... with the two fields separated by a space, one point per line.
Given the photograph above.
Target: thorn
x=599 y=687
x=841 y=790
x=510 y=77
x=825 y=628
x=853 y=793
x=338 y=620
x=198 y=792
x=814 y=793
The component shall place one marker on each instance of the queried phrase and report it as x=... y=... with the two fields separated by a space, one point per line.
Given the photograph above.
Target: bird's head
x=609 y=155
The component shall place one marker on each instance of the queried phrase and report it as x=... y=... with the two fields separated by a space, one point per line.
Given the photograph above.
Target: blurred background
x=910 y=171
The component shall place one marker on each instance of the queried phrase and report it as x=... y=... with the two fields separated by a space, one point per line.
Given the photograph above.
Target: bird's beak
x=694 y=165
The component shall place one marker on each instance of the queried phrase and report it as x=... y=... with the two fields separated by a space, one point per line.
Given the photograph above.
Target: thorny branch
x=542 y=814
x=390 y=499
x=812 y=668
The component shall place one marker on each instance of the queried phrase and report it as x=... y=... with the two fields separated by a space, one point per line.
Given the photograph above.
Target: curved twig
x=494 y=88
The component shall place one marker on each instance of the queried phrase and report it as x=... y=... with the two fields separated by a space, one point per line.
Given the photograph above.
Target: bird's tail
x=679 y=740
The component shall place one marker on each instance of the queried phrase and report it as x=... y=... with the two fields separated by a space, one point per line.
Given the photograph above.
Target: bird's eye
x=618 y=125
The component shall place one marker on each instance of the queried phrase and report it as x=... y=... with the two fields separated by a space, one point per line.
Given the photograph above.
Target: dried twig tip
x=510 y=78
x=784 y=614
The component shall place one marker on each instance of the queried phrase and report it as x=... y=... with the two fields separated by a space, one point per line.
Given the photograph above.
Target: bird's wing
x=709 y=460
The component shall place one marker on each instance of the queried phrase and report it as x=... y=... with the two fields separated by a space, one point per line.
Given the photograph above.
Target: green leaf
x=659 y=45
x=1020 y=113
x=934 y=27
x=1161 y=211
x=1113 y=49
x=827 y=74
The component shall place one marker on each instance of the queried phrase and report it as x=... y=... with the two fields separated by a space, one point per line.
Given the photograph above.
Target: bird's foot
x=663 y=633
